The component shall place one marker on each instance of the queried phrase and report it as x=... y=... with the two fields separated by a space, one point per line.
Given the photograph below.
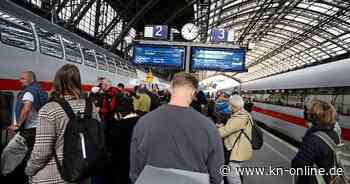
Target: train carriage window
x=16 y=32
x=111 y=65
x=50 y=43
x=72 y=51
x=295 y=99
x=102 y=65
x=89 y=57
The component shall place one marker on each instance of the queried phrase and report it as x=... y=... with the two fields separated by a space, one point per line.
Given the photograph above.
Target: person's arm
x=307 y=153
x=233 y=125
x=216 y=160
x=27 y=105
x=44 y=143
x=137 y=162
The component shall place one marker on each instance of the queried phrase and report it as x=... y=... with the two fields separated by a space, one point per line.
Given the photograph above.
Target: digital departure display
x=167 y=56
x=218 y=59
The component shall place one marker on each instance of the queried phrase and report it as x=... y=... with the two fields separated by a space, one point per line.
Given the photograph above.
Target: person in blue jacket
x=222 y=104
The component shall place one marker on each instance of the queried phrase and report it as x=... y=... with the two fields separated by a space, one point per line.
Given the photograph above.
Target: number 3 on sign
x=222 y=33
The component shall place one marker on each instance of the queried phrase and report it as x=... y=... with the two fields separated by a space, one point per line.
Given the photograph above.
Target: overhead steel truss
x=289 y=33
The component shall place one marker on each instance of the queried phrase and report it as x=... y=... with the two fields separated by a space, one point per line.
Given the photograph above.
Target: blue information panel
x=159 y=56
x=160 y=31
x=218 y=59
x=219 y=35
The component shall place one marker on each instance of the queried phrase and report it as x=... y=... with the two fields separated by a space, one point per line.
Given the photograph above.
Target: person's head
x=183 y=88
x=236 y=103
x=95 y=89
x=106 y=84
x=121 y=86
x=27 y=78
x=142 y=90
x=223 y=96
x=67 y=82
x=322 y=113
x=127 y=106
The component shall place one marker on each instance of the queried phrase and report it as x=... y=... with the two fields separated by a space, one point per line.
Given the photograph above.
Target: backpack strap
x=329 y=141
x=88 y=108
x=66 y=107
x=242 y=130
x=326 y=139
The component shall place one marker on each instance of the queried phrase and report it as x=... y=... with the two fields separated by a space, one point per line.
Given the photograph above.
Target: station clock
x=190 y=31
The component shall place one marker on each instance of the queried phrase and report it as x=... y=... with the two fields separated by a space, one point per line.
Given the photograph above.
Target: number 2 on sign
x=159 y=30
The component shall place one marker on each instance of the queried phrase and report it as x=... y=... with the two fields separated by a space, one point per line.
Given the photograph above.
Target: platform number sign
x=219 y=35
x=160 y=31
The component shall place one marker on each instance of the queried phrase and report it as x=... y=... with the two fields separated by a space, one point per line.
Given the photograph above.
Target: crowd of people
x=184 y=130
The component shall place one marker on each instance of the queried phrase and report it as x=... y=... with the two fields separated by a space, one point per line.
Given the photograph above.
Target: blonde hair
x=322 y=113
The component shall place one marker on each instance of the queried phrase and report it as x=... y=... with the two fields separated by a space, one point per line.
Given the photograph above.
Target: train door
x=6 y=115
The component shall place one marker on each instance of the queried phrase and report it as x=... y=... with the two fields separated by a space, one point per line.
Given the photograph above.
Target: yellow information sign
x=149 y=77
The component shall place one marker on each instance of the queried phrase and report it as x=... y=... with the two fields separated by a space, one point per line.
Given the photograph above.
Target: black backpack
x=257 y=135
x=83 y=150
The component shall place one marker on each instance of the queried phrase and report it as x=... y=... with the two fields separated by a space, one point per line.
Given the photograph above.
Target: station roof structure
x=282 y=35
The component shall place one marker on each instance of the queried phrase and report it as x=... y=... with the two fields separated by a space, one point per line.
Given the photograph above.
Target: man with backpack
x=29 y=102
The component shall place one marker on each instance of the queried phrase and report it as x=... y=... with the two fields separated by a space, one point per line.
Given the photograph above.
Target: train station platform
x=275 y=153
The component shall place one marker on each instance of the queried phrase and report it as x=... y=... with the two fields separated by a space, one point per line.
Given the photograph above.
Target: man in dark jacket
x=199 y=101
x=155 y=100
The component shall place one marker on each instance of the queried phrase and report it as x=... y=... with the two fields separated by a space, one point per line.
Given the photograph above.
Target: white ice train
x=29 y=42
x=279 y=99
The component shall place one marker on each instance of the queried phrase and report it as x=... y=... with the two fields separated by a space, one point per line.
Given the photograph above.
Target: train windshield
x=16 y=32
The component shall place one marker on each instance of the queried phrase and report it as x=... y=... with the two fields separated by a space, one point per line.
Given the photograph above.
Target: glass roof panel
x=288 y=41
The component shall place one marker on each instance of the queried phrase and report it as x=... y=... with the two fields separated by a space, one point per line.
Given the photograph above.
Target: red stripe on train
x=15 y=85
x=286 y=117
x=294 y=119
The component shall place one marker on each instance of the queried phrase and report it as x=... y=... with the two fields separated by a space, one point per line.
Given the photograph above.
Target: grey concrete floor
x=275 y=153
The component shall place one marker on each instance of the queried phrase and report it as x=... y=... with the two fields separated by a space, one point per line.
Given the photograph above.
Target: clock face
x=189 y=31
